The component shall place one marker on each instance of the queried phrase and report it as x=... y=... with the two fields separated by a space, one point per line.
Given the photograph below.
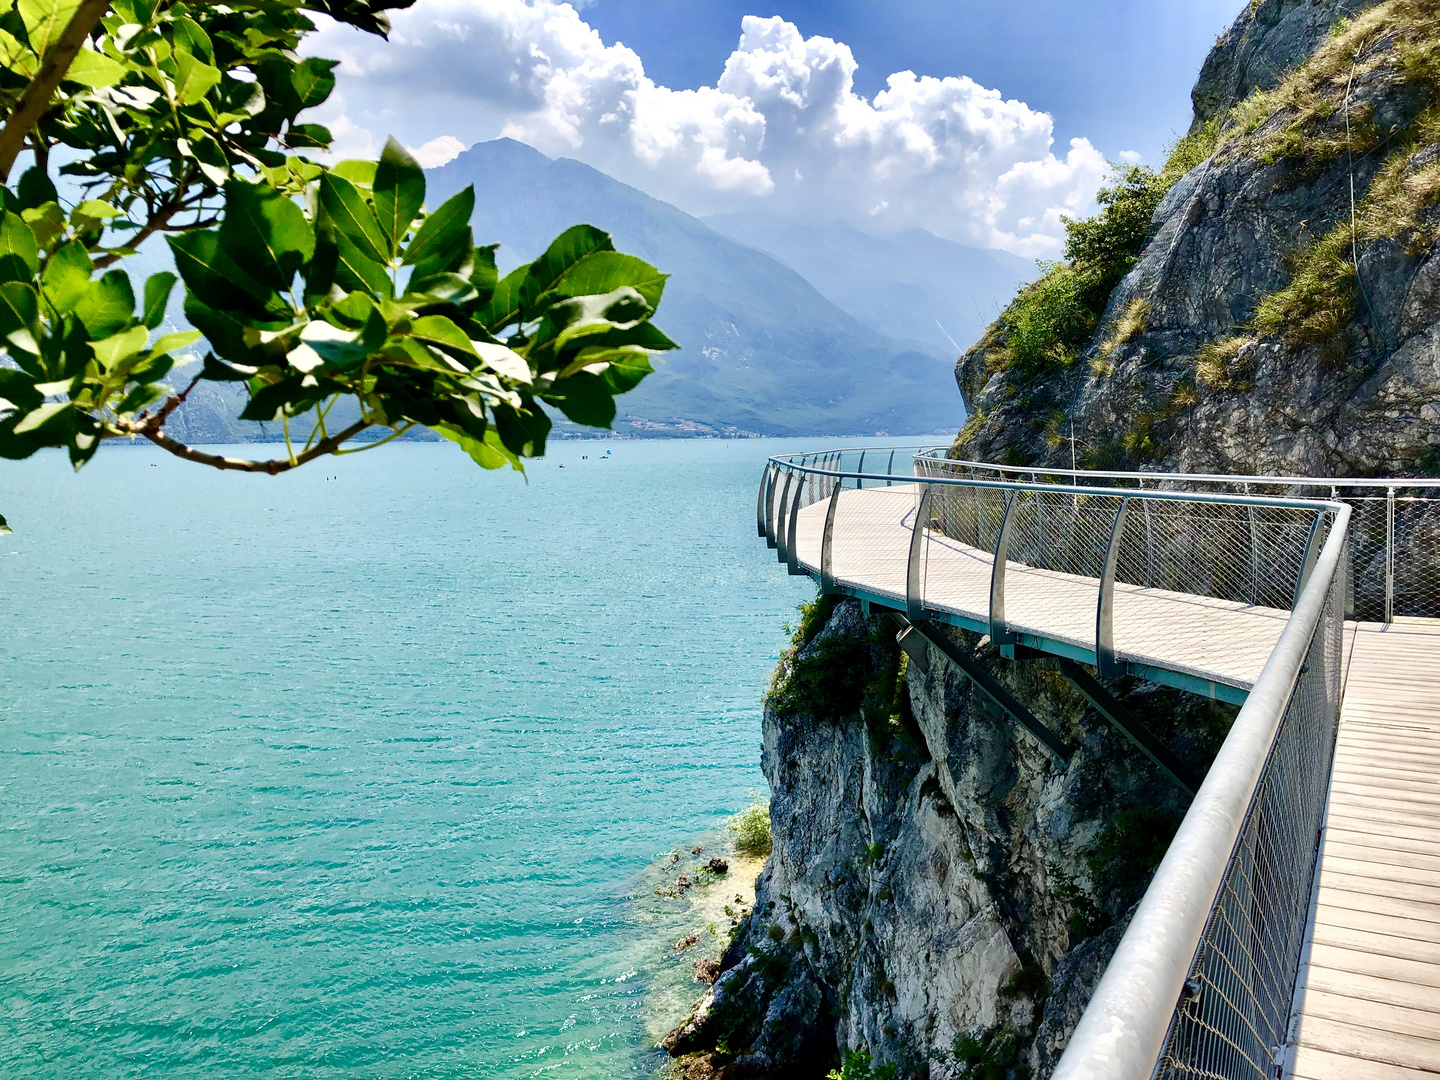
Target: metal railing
x=1202 y=982
x=1394 y=531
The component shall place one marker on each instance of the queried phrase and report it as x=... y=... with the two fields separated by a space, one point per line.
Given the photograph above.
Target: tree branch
x=215 y=461
x=37 y=96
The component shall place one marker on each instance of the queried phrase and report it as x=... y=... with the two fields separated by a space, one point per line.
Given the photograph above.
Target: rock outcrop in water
x=942 y=897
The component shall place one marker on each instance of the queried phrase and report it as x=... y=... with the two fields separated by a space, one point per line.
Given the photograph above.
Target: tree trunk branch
x=38 y=95
x=216 y=461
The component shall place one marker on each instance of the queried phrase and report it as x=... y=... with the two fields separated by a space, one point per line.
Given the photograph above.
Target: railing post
x=1105 y=662
x=860 y=469
x=914 y=589
x=827 y=544
x=1389 y=555
x=1312 y=552
x=1254 y=552
x=792 y=557
x=770 y=493
x=760 y=507
x=999 y=630
x=890 y=468
x=779 y=544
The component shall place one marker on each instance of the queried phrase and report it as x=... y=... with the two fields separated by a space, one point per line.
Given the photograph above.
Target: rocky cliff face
x=941 y=897
x=1265 y=326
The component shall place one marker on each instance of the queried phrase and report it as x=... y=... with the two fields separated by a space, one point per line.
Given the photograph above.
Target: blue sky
x=986 y=123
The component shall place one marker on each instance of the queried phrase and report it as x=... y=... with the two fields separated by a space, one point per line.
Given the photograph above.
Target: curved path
x=1366 y=1000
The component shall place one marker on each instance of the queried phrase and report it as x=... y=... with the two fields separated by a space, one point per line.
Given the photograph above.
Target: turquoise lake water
x=309 y=777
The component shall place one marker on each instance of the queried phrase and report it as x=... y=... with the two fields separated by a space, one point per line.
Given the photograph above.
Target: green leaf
x=585 y=398
x=45 y=20
x=487 y=452
x=46 y=221
x=300 y=136
x=504 y=361
x=20 y=314
x=157 y=297
x=503 y=307
x=92 y=214
x=193 y=78
x=111 y=350
x=606 y=271
x=443 y=287
x=17 y=57
x=50 y=417
x=209 y=155
x=567 y=250
x=19 y=257
x=483 y=274
x=35 y=189
x=210 y=273
x=265 y=233
x=93 y=69
x=355 y=270
x=312 y=80
x=19 y=390
x=168 y=343
x=359 y=173
x=67 y=276
x=399 y=192
x=440 y=331
x=626 y=370
x=347 y=211
x=411 y=352
x=194 y=37
x=444 y=234
x=108 y=305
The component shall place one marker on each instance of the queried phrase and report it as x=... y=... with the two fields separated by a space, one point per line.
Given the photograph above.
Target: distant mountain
x=762 y=351
x=910 y=284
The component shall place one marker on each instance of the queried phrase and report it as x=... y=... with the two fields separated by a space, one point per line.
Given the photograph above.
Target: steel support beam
x=1129 y=726
x=984 y=682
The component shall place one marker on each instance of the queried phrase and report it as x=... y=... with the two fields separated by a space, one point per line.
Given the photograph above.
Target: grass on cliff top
x=1301 y=120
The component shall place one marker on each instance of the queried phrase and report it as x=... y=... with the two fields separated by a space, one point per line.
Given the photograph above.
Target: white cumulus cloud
x=782 y=128
x=437 y=152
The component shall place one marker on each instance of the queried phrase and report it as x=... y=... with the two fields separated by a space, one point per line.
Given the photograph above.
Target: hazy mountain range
x=785 y=329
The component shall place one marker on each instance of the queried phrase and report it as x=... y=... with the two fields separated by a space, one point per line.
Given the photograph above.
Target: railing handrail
x=1208 y=478
x=1068 y=489
x=1123 y=1029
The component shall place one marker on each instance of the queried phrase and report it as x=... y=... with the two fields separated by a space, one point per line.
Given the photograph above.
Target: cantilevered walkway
x=1293 y=928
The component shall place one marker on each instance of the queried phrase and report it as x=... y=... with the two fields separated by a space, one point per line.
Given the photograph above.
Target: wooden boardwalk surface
x=1368 y=1006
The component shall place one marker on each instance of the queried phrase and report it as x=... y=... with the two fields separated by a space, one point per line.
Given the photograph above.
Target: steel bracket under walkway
x=915 y=635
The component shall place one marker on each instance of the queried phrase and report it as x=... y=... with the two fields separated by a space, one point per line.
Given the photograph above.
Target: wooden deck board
x=1368 y=1004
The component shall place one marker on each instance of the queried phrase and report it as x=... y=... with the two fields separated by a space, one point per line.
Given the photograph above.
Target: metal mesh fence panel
x=1232 y=1020
x=1395 y=557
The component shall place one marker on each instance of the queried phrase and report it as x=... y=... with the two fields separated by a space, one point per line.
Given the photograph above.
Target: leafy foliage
x=858 y=1066
x=1053 y=318
x=310 y=284
x=751 y=827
